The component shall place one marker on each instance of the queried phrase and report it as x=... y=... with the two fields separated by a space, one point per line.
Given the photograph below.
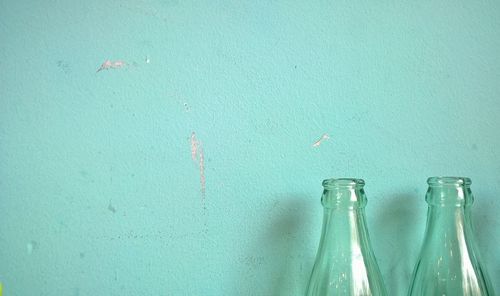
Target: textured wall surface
x=187 y=164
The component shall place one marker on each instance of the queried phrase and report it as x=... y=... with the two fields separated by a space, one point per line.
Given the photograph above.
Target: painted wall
x=105 y=190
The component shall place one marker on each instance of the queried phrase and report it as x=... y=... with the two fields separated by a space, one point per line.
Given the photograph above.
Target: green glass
x=449 y=263
x=345 y=263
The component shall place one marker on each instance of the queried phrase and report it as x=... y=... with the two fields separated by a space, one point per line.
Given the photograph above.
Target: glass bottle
x=345 y=263
x=449 y=263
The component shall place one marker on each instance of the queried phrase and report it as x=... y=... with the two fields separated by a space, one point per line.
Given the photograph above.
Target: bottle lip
x=343 y=182
x=445 y=180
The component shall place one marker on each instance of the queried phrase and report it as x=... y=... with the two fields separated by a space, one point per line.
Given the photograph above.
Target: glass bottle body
x=345 y=263
x=449 y=262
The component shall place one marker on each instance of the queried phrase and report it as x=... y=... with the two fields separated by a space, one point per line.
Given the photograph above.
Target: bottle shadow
x=395 y=235
x=283 y=253
x=485 y=223
x=284 y=246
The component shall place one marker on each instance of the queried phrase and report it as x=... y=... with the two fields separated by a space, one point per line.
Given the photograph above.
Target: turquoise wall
x=100 y=193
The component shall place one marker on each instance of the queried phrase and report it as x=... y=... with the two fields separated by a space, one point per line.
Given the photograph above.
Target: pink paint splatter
x=320 y=140
x=118 y=64
x=194 y=146
x=202 y=174
x=111 y=65
x=198 y=156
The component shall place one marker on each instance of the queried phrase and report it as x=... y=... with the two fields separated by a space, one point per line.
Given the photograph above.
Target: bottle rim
x=343 y=182
x=446 y=180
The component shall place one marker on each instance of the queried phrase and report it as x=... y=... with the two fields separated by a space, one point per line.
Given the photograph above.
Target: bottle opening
x=451 y=181
x=346 y=193
x=343 y=182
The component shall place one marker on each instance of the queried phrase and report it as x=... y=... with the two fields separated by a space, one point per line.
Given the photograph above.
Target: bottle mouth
x=343 y=182
x=449 y=181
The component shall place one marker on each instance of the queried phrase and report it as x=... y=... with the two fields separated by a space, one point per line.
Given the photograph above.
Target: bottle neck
x=449 y=195
x=449 y=227
x=449 y=222
x=344 y=218
x=449 y=207
x=345 y=263
x=343 y=198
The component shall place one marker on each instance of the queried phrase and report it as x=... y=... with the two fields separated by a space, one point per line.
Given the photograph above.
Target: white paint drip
x=202 y=174
x=320 y=140
x=194 y=146
x=111 y=65
x=198 y=156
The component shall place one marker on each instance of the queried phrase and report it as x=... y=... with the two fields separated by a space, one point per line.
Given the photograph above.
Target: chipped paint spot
x=111 y=65
x=148 y=60
x=320 y=140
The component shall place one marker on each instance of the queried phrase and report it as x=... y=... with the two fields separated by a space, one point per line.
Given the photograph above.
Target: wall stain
x=64 y=66
x=111 y=208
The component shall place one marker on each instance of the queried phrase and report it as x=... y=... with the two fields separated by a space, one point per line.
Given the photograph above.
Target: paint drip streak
x=198 y=157
x=194 y=146
x=202 y=173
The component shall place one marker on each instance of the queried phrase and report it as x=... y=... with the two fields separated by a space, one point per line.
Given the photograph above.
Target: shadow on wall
x=399 y=228
x=279 y=261
x=394 y=234
x=282 y=251
x=485 y=223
